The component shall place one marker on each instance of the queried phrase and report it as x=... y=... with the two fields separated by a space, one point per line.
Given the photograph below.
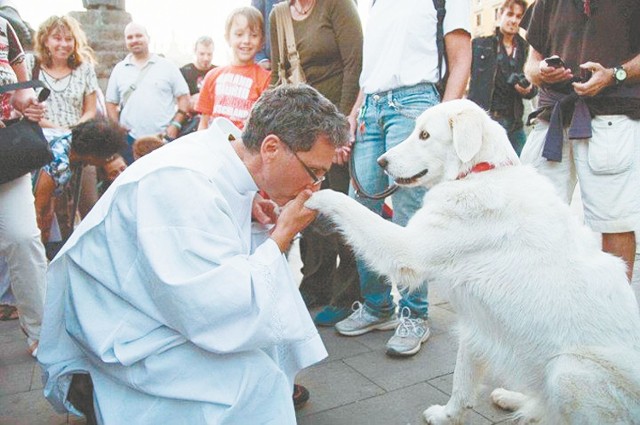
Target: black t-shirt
x=503 y=92
x=194 y=77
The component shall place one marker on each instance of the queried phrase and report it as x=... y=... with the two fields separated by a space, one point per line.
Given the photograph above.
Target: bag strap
x=282 y=73
x=285 y=21
x=127 y=94
x=22 y=85
x=440 y=13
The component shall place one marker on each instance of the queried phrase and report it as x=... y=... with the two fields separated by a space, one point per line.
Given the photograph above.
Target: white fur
x=541 y=308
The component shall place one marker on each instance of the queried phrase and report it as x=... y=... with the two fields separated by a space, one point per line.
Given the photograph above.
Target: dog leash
x=356 y=183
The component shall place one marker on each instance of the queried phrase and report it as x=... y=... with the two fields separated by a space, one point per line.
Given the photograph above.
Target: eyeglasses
x=316 y=179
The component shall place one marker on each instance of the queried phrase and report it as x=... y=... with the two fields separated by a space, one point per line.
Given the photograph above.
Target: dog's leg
x=380 y=243
x=466 y=377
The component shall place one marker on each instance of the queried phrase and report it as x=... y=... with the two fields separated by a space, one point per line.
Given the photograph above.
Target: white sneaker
x=409 y=336
x=361 y=321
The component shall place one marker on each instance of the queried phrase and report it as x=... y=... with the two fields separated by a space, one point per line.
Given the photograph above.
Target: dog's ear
x=467 y=128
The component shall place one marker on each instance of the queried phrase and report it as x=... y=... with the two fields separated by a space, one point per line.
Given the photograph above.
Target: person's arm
x=458 y=47
x=204 y=122
x=602 y=77
x=44 y=204
x=539 y=73
x=348 y=34
x=113 y=112
x=353 y=116
x=275 y=49
x=88 y=107
x=175 y=125
x=24 y=100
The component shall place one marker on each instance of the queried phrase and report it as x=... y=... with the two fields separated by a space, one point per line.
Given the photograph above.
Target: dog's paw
x=437 y=415
x=326 y=201
x=507 y=400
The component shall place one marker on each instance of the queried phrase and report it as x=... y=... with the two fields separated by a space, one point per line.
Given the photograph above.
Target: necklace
x=54 y=84
x=301 y=11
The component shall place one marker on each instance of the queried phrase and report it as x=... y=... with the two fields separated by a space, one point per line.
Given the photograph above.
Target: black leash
x=356 y=183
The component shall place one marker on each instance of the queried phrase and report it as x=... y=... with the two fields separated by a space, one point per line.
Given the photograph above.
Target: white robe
x=176 y=306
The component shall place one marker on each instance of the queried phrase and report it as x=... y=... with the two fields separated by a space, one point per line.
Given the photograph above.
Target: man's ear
x=270 y=147
x=467 y=129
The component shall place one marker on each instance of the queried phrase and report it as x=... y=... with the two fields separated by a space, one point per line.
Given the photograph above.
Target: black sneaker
x=300 y=396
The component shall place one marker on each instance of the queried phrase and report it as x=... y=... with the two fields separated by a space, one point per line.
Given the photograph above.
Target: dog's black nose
x=383 y=162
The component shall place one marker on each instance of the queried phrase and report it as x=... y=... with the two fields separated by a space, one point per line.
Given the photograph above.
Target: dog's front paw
x=437 y=415
x=326 y=201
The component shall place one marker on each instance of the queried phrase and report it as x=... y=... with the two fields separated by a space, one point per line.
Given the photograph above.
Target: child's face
x=245 y=42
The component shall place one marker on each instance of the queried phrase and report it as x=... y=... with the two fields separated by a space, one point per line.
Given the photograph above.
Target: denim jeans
x=516 y=136
x=385 y=120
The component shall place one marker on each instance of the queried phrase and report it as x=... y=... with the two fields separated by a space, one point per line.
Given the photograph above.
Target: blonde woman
x=65 y=63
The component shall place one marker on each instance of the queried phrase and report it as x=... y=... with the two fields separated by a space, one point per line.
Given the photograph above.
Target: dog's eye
x=424 y=135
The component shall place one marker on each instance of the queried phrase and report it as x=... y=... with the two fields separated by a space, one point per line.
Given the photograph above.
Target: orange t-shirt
x=230 y=91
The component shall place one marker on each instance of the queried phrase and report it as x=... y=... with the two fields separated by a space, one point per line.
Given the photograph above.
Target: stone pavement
x=356 y=385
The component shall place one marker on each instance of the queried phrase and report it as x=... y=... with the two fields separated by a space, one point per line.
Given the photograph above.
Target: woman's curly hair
x=81 y=50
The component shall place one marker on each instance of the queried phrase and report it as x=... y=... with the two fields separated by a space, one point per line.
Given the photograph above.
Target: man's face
x=289 y=174
x=509 y=19
x=136 y=39
x=204 y=55
x=114 y=168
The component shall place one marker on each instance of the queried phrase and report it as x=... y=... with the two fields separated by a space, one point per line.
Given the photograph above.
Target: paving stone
x=483 y=403
x=15 y=352
x=334 y=384
x=437 y=357
x=10 y=332
x=401 y=407
x=36 y=377
x=29 y=408
x=341 y=347
x=15 y=378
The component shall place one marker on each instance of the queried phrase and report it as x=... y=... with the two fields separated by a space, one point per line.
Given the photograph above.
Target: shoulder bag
x=23 y=147
x=287 y=47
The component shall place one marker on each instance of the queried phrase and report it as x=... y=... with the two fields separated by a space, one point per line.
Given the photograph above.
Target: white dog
x=540 y=306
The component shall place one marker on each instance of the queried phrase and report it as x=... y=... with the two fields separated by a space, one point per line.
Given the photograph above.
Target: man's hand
x=26 y=102
x=601 y=78
x=551 y=75
x=293 y=218
x=263 y=210
x=522 y=90
x=172 y=132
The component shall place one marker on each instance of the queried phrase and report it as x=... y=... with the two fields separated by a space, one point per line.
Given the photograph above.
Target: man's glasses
x=316 y=179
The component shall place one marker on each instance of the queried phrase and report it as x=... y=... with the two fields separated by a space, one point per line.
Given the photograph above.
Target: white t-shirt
x=400 y=42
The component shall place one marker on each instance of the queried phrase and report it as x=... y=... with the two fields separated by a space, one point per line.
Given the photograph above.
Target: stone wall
x=105 y=33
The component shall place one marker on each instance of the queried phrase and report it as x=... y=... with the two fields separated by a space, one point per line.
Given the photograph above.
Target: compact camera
x=518 y=79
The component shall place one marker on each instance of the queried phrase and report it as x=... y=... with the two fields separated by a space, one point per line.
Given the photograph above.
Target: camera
x=518 y=79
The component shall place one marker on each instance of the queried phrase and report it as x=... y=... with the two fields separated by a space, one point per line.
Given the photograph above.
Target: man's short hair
x=298 y=115
x=205 y=40
x=508 y=4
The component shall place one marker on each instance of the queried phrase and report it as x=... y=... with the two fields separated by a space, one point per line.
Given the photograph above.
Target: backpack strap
x=440 y=13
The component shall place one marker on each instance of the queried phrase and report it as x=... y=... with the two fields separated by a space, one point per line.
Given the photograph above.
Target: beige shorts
x=607 y=165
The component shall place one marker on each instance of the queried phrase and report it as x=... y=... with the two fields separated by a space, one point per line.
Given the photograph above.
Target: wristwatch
x=619 y=74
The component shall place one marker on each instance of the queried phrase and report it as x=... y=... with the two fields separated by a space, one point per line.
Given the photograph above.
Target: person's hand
x=601 y=78
x=353 y=126
x=293 y=218
x=341 y=156
x=172 y=132
x=34 y=111
x=552 y=75
x=522 y=90
x=263 y=210
x=266 y=64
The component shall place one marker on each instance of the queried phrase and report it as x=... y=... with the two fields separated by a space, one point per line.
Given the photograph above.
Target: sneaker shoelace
x=358 y=310
x=407 y=325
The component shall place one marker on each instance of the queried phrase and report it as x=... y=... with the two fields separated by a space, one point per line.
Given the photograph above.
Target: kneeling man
x=179 y=306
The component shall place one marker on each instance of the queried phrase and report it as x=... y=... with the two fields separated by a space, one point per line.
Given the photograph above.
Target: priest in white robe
x=180 y=308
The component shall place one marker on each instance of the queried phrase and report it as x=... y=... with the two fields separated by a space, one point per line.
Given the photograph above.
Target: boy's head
x=244 y=31
x=146 y=145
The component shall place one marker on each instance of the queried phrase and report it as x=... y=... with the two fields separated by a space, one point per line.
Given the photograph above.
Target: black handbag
x=23 y=147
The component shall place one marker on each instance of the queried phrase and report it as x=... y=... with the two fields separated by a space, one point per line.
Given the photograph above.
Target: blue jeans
x=517 y=137
x=385 y=120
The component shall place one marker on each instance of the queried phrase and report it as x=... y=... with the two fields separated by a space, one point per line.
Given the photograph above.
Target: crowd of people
x=170 y=294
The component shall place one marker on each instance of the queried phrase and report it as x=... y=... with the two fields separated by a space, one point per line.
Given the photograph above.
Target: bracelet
x=176 y=124
x=180 y=111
